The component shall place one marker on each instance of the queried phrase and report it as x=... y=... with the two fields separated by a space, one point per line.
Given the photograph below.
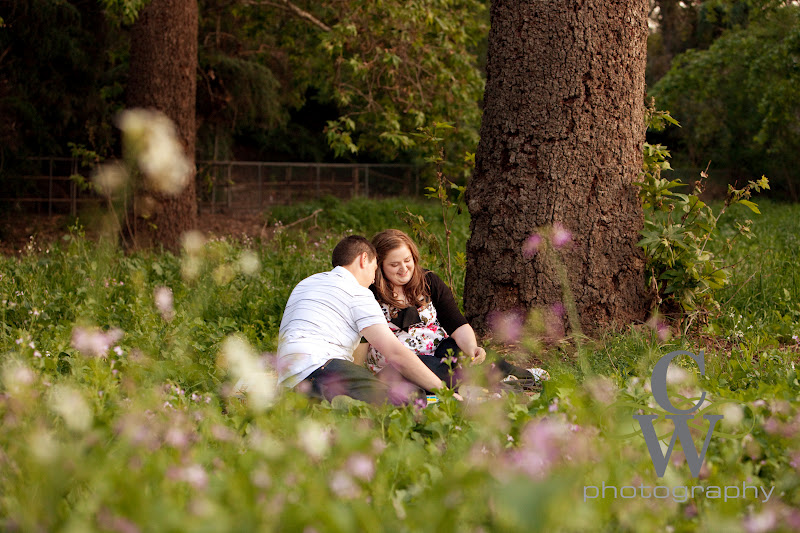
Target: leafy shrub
x=685 y=263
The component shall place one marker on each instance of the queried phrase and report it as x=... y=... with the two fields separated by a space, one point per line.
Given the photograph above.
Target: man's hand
x=400 y=357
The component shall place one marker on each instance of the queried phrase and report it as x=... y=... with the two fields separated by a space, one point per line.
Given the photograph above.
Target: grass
x=764 y=295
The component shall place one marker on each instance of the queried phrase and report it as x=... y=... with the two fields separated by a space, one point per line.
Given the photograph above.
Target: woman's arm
x=465 y=338
x=453 y=321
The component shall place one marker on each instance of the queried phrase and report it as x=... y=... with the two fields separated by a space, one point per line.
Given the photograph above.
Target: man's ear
x=364 y=260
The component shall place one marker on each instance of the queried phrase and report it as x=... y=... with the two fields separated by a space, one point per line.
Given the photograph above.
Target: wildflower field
x=122 y=407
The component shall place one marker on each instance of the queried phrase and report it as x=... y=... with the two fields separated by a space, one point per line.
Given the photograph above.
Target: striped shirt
x=323 y=320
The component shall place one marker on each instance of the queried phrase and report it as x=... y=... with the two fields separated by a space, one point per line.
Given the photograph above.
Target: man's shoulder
x=334 y=280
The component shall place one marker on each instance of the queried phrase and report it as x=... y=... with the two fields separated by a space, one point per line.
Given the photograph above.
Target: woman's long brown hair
x=416 y=290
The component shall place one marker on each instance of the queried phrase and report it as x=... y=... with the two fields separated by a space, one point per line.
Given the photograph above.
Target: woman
x=423 y=314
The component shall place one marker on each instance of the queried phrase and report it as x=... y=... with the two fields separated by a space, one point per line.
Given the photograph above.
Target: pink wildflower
x=561 y=236
x=361 y=466
x=531 y=245
x=507 y=326
x=94 y=341
x=343 y=485
x=761 y=522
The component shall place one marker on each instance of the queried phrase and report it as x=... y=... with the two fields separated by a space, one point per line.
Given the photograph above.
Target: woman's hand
x=478 y=356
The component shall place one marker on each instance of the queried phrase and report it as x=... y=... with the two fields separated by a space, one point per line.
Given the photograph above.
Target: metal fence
x=46 y=184
x=53 y=184
x=253 y=185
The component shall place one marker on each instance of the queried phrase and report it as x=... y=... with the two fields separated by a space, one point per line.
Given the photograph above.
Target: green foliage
x=685 y=264
x=738 y=99
x=152 y=434
x=57 y=74
x=398 y=66
x=347 y=78
x=124 y=11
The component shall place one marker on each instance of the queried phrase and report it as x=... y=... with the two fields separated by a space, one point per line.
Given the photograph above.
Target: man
x=325 y=318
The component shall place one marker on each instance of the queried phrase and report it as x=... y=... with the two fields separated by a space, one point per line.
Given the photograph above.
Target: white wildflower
x=733 y=415
x=249 y=263
x=253 y=379
x=151 y=138
x=314 y=438
x=17 y=377
x=68 y=403
x=193 y=242
x=164 y=302
x=110 y=178
x=43 y=446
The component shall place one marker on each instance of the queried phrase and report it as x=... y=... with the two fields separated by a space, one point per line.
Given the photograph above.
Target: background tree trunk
x=561 y=141
x=163 y=69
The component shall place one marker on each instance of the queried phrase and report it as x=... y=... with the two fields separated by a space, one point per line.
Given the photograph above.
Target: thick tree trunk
x=163 y=69
x=561 y=141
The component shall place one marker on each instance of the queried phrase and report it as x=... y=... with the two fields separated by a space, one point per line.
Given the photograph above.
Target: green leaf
x=753 y=207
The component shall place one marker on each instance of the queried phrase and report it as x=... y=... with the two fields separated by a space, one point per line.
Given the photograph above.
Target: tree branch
x=288 y=6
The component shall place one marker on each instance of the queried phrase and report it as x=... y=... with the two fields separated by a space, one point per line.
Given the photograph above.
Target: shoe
x=539 y=374
x=536 y=374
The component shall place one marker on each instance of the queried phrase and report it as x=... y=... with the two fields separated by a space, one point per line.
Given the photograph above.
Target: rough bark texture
x=561 y=141
x=163 y=69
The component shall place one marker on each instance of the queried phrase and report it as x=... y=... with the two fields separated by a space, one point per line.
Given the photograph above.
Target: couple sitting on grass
x=377 y=290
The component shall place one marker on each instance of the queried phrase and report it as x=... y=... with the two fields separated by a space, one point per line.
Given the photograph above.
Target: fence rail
x=50 y=184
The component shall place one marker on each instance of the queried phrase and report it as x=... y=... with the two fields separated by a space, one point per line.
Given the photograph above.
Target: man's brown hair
x=351 y=247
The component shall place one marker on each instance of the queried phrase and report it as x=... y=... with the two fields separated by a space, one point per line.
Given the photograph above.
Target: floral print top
x=420 y=329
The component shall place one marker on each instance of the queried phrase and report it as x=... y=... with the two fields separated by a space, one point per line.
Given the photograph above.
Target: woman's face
x=398 y=266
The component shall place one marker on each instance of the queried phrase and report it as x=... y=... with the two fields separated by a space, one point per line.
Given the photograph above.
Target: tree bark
x=561 y=141
x=163 y=69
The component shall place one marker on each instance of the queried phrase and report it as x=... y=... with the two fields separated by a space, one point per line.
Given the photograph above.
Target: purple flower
x=662 y=329
x=542 y=444
x=561 y=235
x=772 y=426
x=531 y=245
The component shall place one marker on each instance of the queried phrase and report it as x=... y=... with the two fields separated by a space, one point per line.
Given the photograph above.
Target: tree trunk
x=163 y=69
x=561 y=141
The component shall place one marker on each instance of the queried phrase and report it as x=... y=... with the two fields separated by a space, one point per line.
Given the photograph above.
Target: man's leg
x=338 y=376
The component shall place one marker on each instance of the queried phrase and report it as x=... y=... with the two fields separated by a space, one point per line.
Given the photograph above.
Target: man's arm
x=360 y=353
x=400 y=357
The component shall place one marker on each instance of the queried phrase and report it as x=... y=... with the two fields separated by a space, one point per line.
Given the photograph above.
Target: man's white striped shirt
x=323 y=320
